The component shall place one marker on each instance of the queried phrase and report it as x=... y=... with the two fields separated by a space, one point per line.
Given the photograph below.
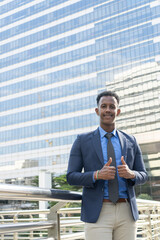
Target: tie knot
x=109 y=135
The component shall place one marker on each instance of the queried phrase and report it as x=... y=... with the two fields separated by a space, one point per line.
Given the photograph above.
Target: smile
x=107 y=115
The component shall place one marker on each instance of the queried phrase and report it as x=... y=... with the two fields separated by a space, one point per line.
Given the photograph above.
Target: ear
x=118 y=111
x=97 y=111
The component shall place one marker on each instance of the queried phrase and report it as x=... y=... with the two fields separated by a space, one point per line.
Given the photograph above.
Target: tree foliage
x=60 y=182
x=144 y=196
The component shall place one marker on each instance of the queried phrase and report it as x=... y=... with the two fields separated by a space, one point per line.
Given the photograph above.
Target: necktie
x=112 y=184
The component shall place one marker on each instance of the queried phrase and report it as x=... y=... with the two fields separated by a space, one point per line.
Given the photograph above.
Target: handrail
x=20 y=227
x=146 y=202
x=148 y=226
x=15 y=192
x=24 y=212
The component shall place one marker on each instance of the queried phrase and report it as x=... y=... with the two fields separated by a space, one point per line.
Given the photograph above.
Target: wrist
x=133 y=175
x=99 y=174
x=96 y=175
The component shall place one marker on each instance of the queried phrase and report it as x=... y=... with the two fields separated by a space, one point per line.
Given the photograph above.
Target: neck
x=108 y=128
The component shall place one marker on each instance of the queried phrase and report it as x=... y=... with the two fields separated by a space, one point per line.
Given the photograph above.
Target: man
x=113 y=165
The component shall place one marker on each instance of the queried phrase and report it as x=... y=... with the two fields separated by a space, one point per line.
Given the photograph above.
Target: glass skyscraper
x=56 y=55
x=139 y=91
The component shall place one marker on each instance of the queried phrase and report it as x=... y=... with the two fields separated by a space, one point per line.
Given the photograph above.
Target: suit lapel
x=123 y=143
x=97 y=145
x=98 y=148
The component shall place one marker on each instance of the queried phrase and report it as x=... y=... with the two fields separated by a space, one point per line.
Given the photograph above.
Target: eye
x=103 y=106
x=112 y=107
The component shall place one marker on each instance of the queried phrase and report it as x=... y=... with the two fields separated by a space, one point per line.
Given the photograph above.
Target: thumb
x=122 y=160
x=109 y=162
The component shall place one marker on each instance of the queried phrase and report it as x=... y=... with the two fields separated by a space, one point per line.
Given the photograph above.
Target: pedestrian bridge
x=61 y=222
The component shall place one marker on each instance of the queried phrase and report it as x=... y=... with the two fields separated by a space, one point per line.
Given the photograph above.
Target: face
x=107 y=110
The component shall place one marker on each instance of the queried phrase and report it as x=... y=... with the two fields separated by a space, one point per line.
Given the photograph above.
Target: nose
x=107 y=109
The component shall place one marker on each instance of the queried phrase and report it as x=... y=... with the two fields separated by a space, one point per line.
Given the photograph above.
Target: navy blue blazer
x=86 y=157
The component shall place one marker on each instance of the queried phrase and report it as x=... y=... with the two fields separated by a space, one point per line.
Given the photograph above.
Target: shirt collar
x=103 y=132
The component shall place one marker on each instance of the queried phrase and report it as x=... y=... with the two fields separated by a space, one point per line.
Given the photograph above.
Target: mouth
x=107 y=116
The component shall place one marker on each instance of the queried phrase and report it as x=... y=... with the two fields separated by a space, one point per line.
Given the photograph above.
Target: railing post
x=58 y=227
x=2 y=235
x=53 y=215
x=149 y=225
x=31 y=232
x=15 y=234
x=156 y=223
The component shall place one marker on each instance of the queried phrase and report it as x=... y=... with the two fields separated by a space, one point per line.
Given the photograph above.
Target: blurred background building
x=56 y=55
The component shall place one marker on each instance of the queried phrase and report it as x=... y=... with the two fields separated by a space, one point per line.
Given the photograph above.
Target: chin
x=107 y=123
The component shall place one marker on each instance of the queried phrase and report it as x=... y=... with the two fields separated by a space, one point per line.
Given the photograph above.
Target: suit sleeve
x=139 y=169
x=75 y=176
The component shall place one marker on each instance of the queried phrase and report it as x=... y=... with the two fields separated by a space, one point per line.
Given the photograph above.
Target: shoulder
x=128 y=137
x=87 y=134
x=83 y=137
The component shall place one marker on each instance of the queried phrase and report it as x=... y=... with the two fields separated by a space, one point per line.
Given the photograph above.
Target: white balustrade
x=63 y=223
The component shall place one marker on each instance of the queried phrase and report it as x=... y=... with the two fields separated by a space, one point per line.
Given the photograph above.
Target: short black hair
x=107 y=93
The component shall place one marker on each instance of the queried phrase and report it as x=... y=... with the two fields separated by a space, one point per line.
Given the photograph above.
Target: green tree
x=60 y=182
x=144 y=196
x=35 y=181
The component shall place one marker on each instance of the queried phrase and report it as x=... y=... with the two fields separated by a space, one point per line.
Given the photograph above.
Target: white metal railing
x=17 y=229
x=15 y=192
x=149 y=221
x=63 y=223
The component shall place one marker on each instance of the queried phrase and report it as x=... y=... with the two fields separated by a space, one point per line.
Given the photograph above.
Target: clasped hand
x=108 y=172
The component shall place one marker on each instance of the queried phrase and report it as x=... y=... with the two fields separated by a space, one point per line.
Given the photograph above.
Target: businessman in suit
x=108 y=164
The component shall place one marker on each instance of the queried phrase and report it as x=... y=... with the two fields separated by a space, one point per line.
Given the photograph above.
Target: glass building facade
x=56 y=55
x=139 y=91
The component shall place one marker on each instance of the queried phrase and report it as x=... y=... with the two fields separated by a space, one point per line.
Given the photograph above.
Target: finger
x=121 y=171
x=122 y=168
x=112 y=168
x=109 y=162
x=122 y=160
